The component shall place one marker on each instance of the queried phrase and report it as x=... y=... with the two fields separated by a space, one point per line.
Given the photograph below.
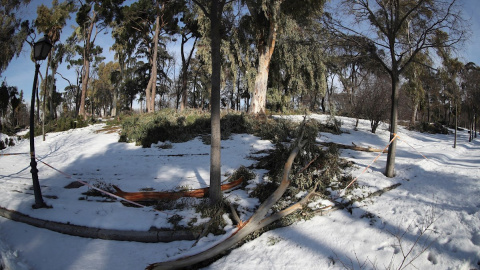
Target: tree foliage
x=13 y=31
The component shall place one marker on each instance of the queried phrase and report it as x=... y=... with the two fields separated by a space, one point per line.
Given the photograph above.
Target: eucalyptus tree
x=417 y=80
x=104 y=87
x=394 y=32
x=74 y=50
x=298 y=66
x=13 y=31
x=265 y=19
x=93 y=17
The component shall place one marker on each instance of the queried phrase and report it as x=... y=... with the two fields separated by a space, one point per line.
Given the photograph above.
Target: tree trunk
x=414 y=114
x=184 y=102
x=45 y=96
x=428 y=108
x=85 y=79
x=475 y=120
x=390 y=168
x=456 y=126
x=185 y=65
x=86 y=66
x=216 y=9
x=259 y=100
x=153 y=78
x=113 y=109
x=147 y=94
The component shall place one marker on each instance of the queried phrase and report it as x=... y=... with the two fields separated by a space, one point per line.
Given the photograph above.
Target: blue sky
x=21 y=70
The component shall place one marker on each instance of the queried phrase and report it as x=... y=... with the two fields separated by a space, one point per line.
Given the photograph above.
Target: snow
x=435 y=211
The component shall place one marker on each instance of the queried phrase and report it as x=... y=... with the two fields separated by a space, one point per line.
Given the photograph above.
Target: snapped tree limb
x=256 y=222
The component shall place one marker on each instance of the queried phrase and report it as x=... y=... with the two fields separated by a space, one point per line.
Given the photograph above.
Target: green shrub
x=169 y=125
x=59 y=124
x=433 y=128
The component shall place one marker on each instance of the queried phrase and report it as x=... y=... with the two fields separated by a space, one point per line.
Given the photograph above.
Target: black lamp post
x=41 y=49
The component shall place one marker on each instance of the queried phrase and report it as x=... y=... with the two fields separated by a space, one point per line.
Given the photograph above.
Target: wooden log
x=171 y=195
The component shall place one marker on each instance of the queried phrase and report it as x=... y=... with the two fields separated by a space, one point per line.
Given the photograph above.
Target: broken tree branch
x=173 y=195
x=353 y=147
x=256 y=222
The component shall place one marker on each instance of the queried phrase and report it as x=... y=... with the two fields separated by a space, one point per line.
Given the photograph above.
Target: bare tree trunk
x=50 y=93
x=185 y=65
x=475 y=120
x=470 y=128
x=259 y=99
x=153 y=78
x=38 y=98
x=45 y=97
x=85 y=79
x=216 y=9
x=147 y=94
x=86 y=66
x=390 y=168
x=456 y=126
x=414 y=114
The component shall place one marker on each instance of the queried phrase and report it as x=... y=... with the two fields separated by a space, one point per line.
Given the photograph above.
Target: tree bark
x=185 y=65
x=153 y=79
x=216 y=8
x=259 y=99
x=45 y=96
x=86 y=65
x=147 y=94
x=265 y=49
x=414 y=114
x=390 y=168
x=456 y=125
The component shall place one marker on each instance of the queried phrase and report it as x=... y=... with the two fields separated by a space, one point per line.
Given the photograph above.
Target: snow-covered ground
x=438 y=196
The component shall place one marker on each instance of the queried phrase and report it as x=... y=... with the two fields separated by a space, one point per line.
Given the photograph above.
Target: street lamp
x=41 y=49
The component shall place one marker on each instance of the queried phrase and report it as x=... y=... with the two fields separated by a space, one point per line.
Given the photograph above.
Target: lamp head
x=42 y=48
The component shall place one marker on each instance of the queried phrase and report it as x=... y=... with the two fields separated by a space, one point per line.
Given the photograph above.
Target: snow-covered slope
x=438 y=197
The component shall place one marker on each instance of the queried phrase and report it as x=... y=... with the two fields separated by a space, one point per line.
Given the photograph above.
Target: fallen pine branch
x=353 y=147
x=171 y=195
x=257 y=221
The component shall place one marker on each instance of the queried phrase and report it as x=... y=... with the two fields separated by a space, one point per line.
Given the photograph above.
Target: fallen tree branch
x=259 y=219
x=256 y=221
x=171 y=195
x=353 y=147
